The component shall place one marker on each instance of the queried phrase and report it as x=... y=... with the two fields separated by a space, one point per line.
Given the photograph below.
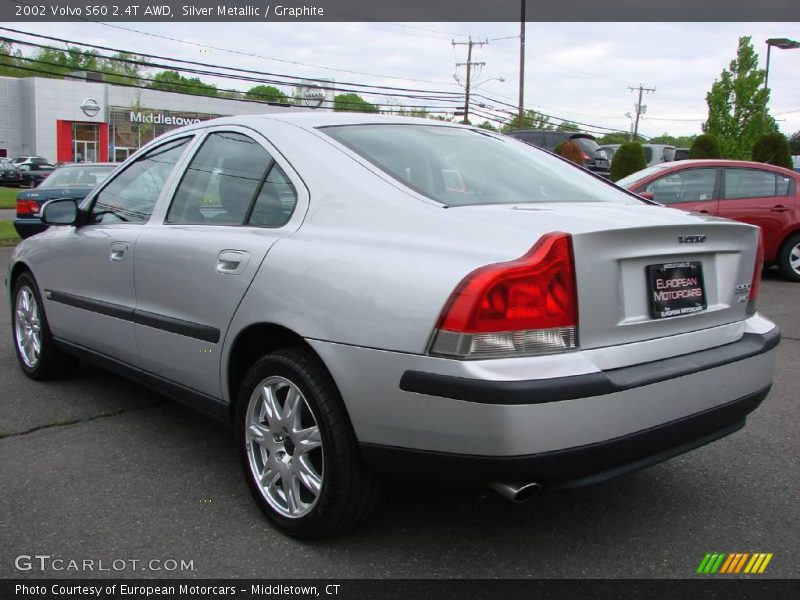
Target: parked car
x=550 y=139
x=681 y=154
x=9 y=174
x=30 y=160
x=653 y=153
x=751 y=192
x=32 y=175
x=317 y=281
x=70 y=181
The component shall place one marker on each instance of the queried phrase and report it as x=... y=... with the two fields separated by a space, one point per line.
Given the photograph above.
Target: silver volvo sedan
x=364 y=295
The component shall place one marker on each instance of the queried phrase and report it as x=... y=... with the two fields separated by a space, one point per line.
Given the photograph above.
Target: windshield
x=630 y=180
x=458 y=166
x=82 y=176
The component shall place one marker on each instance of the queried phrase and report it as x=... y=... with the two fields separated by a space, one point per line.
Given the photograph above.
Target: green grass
x=8 y=197
x=8 y=235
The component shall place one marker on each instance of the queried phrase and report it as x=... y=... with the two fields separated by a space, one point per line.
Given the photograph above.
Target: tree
x=9 y=61
x=267 y=93
x=705 y=146
x=737 y=104
x=172 y=81
x=628 y=159
x=773 y=149
x=487 y=125
x=568 y=126
x=614 y=138
x=571 y=151
x=530 y=120
x=120 y=68
x=680 y=141
x=352 y=103
x=794 y=143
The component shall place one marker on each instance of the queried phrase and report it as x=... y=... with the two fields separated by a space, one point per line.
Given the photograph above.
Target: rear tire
x=297 y=447
x=789 y=258
x=35 y=348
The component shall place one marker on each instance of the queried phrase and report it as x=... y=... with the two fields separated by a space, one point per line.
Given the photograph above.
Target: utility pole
x=522 y=65
x=639 y=108
x=469 y=64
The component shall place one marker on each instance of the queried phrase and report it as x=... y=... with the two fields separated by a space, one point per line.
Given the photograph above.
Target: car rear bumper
x=28 y=227
x=516 y=409
x=571 y=467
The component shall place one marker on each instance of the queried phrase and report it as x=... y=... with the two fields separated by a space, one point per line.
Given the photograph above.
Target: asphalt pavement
x=8 y=214
x=96 y=468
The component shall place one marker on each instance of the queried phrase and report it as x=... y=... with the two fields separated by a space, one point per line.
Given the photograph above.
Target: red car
x=751 y=192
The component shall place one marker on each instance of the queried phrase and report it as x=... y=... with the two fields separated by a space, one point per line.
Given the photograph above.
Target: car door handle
x=232 y=262
x=118 y=250
x=780 y=208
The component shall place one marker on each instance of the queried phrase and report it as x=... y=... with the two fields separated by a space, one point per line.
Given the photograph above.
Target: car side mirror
x=62 y=211
x=646 y=195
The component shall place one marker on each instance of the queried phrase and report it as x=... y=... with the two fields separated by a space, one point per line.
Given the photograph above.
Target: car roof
x=310 y=120
x=718 y=162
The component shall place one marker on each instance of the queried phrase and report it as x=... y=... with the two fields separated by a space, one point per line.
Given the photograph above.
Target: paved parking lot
x=94 y=467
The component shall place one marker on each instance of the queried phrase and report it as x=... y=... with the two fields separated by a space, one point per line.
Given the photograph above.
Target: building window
x=85 y=142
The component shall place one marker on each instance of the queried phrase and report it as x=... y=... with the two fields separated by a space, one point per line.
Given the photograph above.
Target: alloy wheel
x=27 y=327
x=284 y=447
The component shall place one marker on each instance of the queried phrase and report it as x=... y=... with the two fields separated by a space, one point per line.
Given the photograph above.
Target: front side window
x=752 y=183
x=131 y=196
x=221 y=181
x=690 y=185
x=458 y=166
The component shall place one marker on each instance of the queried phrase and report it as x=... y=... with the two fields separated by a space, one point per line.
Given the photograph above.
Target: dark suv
x=594 y=158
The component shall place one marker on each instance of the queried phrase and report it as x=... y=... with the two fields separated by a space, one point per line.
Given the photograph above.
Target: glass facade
x=132 y=127
x=85 y=142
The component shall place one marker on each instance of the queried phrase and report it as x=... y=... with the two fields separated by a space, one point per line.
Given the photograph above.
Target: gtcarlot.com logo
x=47 y=562
x=734 y=563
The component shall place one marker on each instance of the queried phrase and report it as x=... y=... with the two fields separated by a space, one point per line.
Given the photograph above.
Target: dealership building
x=74 y=120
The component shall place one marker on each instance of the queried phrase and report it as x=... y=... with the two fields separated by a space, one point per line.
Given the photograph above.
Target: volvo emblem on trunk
x=691 y=239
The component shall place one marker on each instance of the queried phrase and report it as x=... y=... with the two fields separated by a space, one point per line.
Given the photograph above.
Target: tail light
x=585 y=156
x=521 y=307
x=27 y=208
x=755 y=283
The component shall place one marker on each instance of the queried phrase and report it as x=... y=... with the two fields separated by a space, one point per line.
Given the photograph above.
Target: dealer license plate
x=676 y=289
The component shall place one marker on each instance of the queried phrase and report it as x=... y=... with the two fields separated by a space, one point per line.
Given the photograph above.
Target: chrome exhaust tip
x=516 y=492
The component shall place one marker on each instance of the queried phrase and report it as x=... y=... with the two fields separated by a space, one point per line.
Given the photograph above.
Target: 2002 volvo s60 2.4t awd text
x=365 y=294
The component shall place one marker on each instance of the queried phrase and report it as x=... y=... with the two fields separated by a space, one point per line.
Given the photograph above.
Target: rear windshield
x=88 y=176
x=459 y=166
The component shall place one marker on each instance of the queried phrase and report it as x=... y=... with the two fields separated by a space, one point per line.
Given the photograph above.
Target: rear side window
x=752 y=183
x=690 y=185
x=230 y=174
x=131 y=196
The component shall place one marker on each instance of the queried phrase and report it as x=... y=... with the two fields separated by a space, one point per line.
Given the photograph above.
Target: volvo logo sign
x=90 y=107
x=691 y=239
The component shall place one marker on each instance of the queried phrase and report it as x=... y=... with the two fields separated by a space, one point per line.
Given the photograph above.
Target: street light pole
x=783 y=44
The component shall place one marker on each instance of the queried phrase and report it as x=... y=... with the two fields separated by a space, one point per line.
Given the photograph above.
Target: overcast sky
x=576 y=71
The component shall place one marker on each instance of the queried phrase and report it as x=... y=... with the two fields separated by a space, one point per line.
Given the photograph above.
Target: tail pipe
x=516 y=492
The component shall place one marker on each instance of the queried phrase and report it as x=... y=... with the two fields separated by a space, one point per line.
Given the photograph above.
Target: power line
x=194 y=71
x=272 y=58
x=216 y=66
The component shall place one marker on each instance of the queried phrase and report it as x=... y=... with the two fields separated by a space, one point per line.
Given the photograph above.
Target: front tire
x=298 y=449
x=789 y=258
x=36 y=350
